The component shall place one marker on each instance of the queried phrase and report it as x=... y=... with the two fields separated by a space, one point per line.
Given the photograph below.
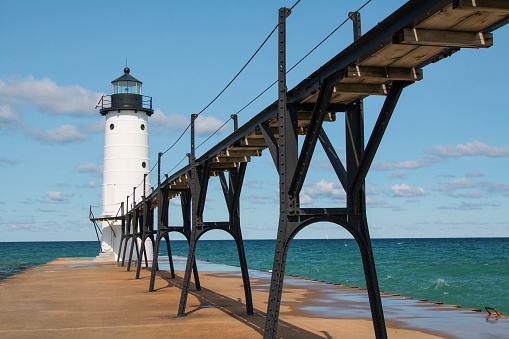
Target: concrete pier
x=80 y=298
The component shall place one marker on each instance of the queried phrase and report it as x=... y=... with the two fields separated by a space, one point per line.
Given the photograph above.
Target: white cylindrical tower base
x=126 y=162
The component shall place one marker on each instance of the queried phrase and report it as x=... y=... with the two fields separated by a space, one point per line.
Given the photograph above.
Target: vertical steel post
x=128 y=231
x=159 y=155
x=122 y=236
x=134 y=197
x=133 y=238
x=236 y=178
x=193 y=183
x=144 y=224
x=143 y=230
x=356 y=19
x=356 y=200
x=235 y=122
x=285 y=176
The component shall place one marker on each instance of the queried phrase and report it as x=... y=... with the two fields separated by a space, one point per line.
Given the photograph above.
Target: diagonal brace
x=271 y=142
x=336 y=163
x=315 y=125
x=377 y=134
x=203 y=178
x=239 y=178
x=224 y=186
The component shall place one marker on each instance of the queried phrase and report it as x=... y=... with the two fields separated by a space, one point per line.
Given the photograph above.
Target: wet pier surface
x=79 y=298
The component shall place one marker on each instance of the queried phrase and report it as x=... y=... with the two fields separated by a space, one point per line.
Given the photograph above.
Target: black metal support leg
x=154 y=264
x=236 y=180
x=356 y=205
x=187 y=276
x=170 y=258
x=287 y=160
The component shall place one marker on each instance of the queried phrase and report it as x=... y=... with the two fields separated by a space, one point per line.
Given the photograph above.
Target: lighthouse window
x=143 y=164
x=112 y=126
x=142 y=127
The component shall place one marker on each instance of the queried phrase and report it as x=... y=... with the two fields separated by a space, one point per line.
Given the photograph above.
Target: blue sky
x=440 y=170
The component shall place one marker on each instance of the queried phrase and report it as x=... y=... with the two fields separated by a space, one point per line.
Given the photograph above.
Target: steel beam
x=356 y=206
x=286 y=158
x=336 y=163
x=308 y=147
x=270 y=140
x=376 y=136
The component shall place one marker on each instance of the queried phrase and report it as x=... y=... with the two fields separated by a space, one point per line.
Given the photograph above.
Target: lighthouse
x=126 y=155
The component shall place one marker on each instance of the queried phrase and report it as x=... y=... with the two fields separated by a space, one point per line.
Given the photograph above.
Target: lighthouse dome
x=126 y=93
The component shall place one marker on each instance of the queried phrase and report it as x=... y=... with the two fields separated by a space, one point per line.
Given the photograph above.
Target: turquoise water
x=471 y=272
x=19 y=256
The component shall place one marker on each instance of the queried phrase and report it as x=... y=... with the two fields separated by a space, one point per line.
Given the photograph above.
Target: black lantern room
x=126 y=94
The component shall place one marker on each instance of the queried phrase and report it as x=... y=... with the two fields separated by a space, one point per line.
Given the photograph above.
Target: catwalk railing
x=383 y=61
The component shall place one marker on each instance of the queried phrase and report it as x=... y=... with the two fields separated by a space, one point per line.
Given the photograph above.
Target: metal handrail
x=105 y=102
x=96 y=227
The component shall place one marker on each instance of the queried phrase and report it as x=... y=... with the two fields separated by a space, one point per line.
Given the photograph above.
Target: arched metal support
x=292 y=167
x=198 y=182
x=128 y=234
x=146 y=233
x=136 y=225
x=163 y=230
x=123 y=230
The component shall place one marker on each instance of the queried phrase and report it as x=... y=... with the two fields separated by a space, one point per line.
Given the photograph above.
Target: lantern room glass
x=126 y=87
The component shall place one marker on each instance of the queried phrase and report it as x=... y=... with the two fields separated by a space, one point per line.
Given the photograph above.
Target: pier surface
x=79 y=298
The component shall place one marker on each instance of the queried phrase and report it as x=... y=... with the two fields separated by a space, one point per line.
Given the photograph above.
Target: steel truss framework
x=382 y=62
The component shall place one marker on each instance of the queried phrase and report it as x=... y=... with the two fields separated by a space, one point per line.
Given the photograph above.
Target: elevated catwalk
x=383 y=61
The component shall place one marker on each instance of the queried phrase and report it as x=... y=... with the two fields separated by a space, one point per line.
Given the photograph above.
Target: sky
x=440 y=171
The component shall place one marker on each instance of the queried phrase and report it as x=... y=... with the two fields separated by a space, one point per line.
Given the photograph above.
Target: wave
x=437 y=285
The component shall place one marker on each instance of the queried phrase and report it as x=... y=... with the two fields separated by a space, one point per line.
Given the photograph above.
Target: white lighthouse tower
x=126 y=155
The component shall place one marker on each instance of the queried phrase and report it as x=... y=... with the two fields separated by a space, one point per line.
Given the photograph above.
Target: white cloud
x=174 y=122
x=176 y=201
x=469 y=149
x=260 y=199
x=445 y=175
x=324 y=189
x=89 y=167
x=374 y=203
x=321 y=164
x=467 y=206
x=489 y=187
x=6 y=161
x=474 y=174
x=48 y=97
x=421 y=162
x=399 y=175
x=455 y=184
x=382 y=166
x=41 y=209
x=495 y=188
x=21 y=226
x=372 y=191
x=56 y=198
x=206 y=125
x=94 y=127
x=305 y=199
x=7 y=116
x=404 y=190
x=90 y=184
x=469 y=195
x=62 y=135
